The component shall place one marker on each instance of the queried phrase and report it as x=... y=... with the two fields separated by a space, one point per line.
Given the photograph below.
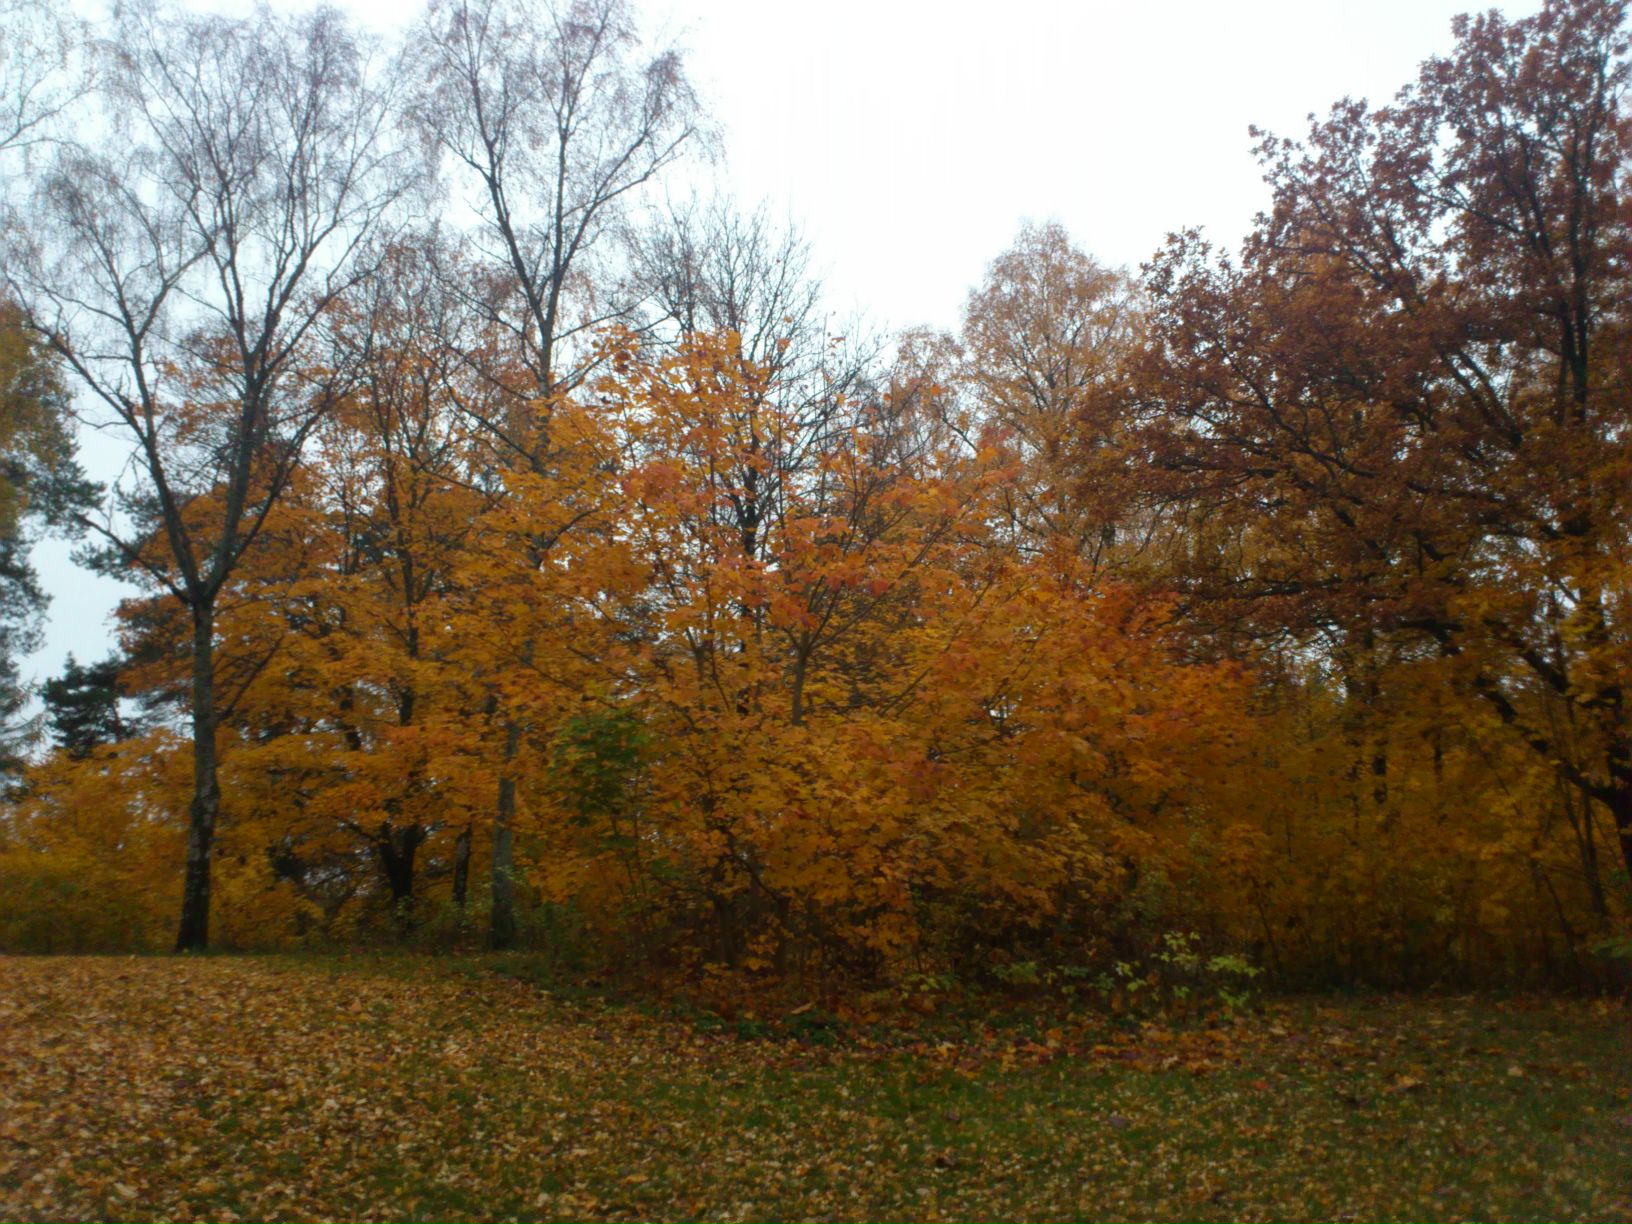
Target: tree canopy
x=527 y=562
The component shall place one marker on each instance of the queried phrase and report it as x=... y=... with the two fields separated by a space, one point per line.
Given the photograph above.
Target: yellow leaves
x=881 y=704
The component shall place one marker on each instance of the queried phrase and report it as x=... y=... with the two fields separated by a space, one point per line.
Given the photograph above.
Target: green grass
x=411 y=1089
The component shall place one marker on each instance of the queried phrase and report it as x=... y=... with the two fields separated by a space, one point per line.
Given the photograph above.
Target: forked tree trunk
x=194 y=935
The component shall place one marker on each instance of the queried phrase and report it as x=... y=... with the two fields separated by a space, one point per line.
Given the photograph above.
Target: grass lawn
x=267 y=1088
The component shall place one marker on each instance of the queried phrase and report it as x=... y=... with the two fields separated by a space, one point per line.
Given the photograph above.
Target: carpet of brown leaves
x=306 y=1089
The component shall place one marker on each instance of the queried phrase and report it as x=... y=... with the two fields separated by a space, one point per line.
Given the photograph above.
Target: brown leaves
x=398 y=1089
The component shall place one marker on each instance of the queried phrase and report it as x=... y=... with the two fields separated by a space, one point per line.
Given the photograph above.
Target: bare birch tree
x=42 y=73
x=181 y=263
x=549 y=118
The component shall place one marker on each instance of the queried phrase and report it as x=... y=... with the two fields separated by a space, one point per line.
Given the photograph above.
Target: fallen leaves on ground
x=306 y=1089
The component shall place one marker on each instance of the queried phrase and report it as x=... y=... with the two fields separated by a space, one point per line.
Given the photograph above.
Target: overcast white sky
x=911 y=138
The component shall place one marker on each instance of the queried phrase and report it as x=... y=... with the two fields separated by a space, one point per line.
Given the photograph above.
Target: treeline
x=529 y=565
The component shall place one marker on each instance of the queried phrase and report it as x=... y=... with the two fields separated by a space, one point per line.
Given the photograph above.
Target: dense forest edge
x=528 y=562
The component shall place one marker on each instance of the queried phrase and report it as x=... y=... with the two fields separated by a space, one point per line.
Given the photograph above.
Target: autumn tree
x=741 y=626
x=390 y=499
x=1042 y=345
x=711 y=275
x=550 y=117
x=182 y=267
x=806 y=748
x=1041 y=355
x=1402 y=413
x=408 y=477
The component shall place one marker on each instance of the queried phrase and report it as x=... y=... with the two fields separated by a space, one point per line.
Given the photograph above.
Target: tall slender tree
x=182 y=265
x=550 y=118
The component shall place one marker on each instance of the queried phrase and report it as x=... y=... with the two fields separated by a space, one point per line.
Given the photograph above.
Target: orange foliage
x=1281 y=601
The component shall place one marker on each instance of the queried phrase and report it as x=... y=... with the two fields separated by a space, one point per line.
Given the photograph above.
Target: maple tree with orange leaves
x=1270 y=603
